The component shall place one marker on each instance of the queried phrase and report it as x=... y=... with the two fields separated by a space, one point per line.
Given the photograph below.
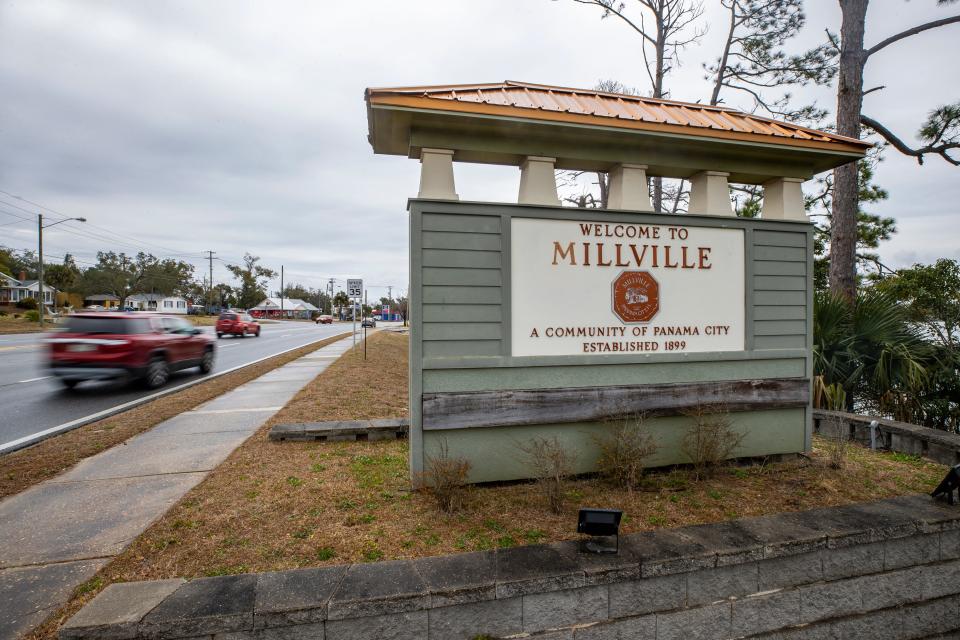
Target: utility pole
x=210 y=290
x=330 y=283
x=40 y=228
x=281 y=292
x=40 y=248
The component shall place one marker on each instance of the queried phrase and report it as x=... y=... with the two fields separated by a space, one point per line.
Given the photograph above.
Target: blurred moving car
x=100 y=346
x=237 y=324
x=324 y=320
x=368 y=322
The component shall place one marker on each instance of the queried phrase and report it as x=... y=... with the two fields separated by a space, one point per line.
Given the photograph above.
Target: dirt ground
x=273 y=506
x=9 y=324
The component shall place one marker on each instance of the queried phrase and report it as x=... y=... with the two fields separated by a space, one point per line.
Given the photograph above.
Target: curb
x=40 y=436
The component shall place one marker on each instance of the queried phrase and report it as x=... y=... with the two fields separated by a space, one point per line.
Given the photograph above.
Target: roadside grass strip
x=20 y=470
x=274 y=506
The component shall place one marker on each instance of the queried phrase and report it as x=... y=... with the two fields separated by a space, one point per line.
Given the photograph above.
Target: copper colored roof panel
x=582 y=106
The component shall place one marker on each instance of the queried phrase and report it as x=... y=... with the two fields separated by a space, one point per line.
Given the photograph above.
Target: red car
x=237 y=324
x=104 y=346
x=324 y=320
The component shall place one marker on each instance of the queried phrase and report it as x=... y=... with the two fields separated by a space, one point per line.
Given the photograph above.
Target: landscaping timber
x=580 y=404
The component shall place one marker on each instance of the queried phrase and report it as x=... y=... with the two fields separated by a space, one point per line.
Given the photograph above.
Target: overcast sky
x=240 y=126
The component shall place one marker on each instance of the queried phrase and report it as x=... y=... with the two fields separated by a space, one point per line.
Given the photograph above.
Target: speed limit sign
x=355 y=288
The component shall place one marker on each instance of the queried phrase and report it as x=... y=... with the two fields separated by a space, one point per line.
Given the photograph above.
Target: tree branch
x=909 y=32
x=901 y=146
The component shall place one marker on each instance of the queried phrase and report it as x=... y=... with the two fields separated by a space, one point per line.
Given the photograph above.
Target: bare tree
x=939 y=135
x=665 y=28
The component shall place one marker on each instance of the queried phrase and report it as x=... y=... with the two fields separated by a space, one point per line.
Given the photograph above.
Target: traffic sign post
x=355 y=293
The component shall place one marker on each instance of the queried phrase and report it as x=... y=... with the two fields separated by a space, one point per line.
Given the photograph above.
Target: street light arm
x=47 y=226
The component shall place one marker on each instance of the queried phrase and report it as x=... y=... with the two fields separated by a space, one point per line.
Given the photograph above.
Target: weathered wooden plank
x=779 y=342
x=462 y=241
x=779 y=239
x=461 y=223
x=462 y=331
x=462 y=313
x=780 y=298
x=779 y=283
x=779 y=327
x=461 y=295
x=462 y=277
x=779 y=313
x=771 y=268
x=586 y=404
x=461 y=348
x=785 y=254
x=451 y=258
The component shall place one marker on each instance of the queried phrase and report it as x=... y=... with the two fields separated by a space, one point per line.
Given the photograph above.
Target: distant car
x=368 y=322
x=324 y=320
x=99 y=346
x=237 y=324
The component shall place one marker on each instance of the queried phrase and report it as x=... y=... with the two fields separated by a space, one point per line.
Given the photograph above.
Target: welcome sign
x=588 y=288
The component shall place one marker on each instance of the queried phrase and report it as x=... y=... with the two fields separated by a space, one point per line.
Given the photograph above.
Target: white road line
x=32 y=379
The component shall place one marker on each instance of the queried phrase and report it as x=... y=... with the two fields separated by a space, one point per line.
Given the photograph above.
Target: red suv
x=103 y=346
x=237 y=324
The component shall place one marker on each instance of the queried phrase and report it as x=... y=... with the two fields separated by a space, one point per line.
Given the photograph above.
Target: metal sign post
x=355 y=293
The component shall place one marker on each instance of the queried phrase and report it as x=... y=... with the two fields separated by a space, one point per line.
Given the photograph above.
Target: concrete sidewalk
x=58 y=534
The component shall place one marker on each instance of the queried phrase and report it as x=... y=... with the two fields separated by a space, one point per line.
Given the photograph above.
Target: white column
x=628 y=188
x=710 y=194
x=783 y=199
x=436 y=174
x=538 y=183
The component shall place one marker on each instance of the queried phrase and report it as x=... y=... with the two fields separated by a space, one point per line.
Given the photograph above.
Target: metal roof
x=584 y=106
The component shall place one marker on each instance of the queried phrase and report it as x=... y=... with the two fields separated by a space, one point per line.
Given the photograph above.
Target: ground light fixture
x=599 y=523
x=949 y=484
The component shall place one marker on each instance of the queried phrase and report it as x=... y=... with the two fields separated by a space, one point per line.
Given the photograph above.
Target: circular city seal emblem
x=636 y=296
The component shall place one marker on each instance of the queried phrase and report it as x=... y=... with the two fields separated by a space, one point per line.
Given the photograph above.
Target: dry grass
x=22 y=469
x=203 y=321
x=274 y=506
x=9 y=324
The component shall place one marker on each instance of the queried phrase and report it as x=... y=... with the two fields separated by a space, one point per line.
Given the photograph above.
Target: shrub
x=552 y=464
x=624 y=451
x=710 y=440
x=834 y=398
x=445 y=479
x=2 y=313
x=32 y=315
x=27 y=303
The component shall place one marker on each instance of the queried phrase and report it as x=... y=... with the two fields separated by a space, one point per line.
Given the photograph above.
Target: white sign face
x=355 y=288
x=587 y=288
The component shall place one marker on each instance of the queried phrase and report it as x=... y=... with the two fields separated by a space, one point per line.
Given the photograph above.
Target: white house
x=13 y=290
x=157 y=302
x=292 y=308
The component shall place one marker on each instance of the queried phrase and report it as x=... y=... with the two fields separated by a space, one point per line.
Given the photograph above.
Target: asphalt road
x=32 y=401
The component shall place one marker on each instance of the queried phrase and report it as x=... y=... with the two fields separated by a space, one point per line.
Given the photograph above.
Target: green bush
x=27 y=303
x=33 y=315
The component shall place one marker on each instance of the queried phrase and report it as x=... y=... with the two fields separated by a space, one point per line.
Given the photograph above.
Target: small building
x=284 y=308
x=13 y=290
x=157 y=302
x=104 y=300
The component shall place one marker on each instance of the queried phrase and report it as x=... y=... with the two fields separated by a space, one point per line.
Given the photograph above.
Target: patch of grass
x=326 y=553
x=93 y=584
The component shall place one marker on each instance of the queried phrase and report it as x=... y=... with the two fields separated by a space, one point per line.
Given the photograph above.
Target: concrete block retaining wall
x=888 y=569
x=939 y=446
